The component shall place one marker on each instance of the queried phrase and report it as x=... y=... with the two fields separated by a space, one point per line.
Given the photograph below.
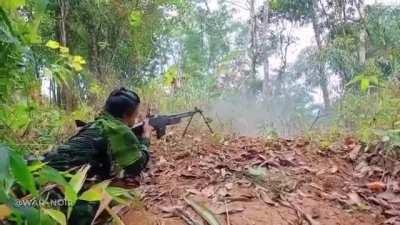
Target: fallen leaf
x=334 y=169
x=379 y=201
x=321 y=172
x=354 y=152
x=5 y=212
x=182 y=155
x=389 y=196
x=197 y=139
x=392 y=212
x=308 y=217
x=355 y=199
x=377 y=186
x=314 y=185
x=193 y=191
x=231 y=209
x=222 y=192
x=167 y=209
x=203 y=211
x=315 y=213
x=392 y=221
x=350 y=142
x=208 y=191
x=258 y=173
x=229 y=186
x=265 y=197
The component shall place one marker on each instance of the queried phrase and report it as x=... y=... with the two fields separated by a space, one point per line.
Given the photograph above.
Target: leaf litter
x=247 y=180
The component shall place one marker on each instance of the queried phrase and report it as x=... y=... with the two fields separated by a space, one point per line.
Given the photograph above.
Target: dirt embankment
x=253 y=181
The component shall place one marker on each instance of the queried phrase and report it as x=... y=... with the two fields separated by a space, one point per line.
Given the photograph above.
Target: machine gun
x=160 y=122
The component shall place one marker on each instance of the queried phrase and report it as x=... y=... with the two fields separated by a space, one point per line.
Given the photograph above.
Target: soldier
x=108 y=145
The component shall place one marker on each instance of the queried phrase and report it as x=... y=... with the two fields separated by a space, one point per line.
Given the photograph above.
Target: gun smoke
x=252 y=116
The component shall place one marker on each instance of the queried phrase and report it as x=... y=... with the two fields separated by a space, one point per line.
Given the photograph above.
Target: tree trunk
x=253 y=39
x=65 y=95
x=267 y=89
x=95 y=56
x=323 y=82
x=362 y=54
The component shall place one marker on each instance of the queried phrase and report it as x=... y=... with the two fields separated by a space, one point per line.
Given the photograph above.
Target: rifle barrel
x=183 y=115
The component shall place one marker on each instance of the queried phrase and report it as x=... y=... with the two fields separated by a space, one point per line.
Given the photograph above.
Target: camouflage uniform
x=107 y=144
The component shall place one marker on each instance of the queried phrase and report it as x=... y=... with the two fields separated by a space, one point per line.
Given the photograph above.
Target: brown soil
x=301 y=182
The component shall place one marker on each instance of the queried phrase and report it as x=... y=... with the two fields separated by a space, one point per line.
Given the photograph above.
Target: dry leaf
x=334 y=169
x=377 y=186
x=5 y=212
x=265 y=197
x=231 y=209
x=392 y=212
x=354 y=199
x=229 y=186
x=203 y=211
x=222 y=192
x=208 y=191
x=354 y=152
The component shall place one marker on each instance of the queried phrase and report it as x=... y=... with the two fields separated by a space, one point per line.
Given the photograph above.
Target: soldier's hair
x=121 y=102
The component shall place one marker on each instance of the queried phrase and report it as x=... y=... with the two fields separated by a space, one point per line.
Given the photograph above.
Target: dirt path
x=297 y=184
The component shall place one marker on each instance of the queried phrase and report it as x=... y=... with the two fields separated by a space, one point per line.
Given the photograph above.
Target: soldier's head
x=124 y=105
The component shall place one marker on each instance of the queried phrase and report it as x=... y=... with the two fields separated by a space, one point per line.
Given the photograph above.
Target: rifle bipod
x=197 y=110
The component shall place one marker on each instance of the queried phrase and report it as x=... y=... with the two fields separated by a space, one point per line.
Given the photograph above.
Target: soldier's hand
x=147 y=128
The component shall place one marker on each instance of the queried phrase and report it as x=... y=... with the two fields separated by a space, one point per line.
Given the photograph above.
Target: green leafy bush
x=24 y=191
x=371 y=112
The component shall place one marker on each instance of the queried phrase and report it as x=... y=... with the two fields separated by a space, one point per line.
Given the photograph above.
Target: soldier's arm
x=126 y=147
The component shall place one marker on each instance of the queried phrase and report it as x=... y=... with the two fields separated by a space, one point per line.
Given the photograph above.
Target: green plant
x=24 y=191
x=366 y=113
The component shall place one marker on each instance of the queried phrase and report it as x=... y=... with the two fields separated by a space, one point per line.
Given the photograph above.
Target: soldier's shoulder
x=107 y=124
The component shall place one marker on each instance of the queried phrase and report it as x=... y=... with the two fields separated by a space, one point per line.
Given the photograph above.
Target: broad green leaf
x=22 y=174
x=364 y=84
x=356 y=79
x=136 y=18
x=11 y=4
x=374 y=80
x=76 y=66
x=53 y=44
x=49 y=174
x=118 y=191
x=6 y=34
x=3 y=196
x=36 y=166
x=32 y=215
x=121 y=195
x=56 y=215
x=5 y=161
x=78 y=179
x=64 y=50
x=95 y=193
x=79 y=60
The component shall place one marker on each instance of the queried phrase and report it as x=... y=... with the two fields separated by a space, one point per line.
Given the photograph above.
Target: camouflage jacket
x=107 y=144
